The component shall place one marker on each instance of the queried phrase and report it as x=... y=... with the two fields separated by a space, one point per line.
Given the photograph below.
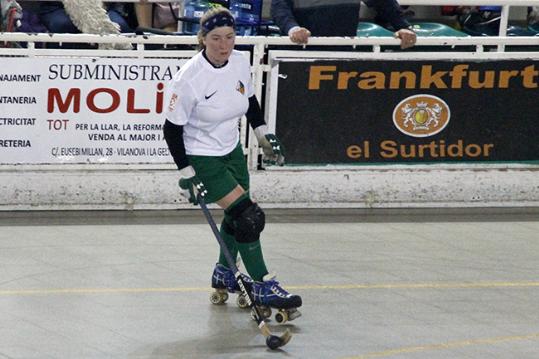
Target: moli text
x=71 y=100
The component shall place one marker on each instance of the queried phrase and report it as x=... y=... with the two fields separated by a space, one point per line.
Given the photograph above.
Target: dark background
x=316 y=126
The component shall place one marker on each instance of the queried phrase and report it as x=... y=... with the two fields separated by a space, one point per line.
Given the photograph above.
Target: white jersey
x=208 y=102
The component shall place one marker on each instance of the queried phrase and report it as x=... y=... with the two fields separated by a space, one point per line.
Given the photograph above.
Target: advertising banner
x=83 y=110
x=420 y=111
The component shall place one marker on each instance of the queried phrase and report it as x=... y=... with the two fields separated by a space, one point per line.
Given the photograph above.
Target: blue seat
x=367 y=29
x=433 y=29
x=476 y=25
x=520 y=31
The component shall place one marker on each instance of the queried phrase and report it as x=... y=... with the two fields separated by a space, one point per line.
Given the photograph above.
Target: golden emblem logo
x=240 y=88
x=421 y=115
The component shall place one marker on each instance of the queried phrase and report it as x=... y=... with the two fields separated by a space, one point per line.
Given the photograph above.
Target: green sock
x=251 y=252
x=251 y=255
x=229 y=240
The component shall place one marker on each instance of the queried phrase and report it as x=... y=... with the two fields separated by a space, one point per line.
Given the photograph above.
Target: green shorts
x=221 y=175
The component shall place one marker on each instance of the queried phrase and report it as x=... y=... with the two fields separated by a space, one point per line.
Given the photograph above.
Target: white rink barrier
x=381 y=187
x=62 y=185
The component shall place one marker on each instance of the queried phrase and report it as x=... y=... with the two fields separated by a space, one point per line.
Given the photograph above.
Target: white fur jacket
x=90 y=17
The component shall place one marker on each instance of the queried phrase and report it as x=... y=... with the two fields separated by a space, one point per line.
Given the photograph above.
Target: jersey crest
x=172 y=103
x=240 y=87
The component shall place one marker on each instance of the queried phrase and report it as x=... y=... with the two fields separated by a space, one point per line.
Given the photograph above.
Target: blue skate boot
x=224 y=282
x=269 y=294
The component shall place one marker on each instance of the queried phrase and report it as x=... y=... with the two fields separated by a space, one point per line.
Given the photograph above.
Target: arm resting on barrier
x=389 y=10
x=282 y=15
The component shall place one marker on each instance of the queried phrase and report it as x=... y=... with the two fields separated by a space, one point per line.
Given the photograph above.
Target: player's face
x=219 y=44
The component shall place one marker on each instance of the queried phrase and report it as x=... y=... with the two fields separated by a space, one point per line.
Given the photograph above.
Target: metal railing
x=504 y=16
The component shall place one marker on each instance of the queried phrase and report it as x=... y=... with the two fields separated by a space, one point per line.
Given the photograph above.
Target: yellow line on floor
x=420 y=285
x=100 y=290
x=471 y=285
x=449 y=345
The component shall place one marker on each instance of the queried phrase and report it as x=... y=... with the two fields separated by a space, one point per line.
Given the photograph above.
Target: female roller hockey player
x=207 y=97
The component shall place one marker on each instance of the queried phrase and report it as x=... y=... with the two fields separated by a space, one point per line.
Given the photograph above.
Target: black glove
x=191 y=185
x=273 y=150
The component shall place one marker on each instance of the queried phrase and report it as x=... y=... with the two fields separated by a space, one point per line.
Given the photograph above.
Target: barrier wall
x=80 y=129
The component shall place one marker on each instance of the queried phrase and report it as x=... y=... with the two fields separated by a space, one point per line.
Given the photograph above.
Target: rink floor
x=418 y=284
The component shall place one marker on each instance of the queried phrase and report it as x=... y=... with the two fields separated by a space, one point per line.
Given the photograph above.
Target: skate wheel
x=281 y=317
x=265 y=311
x=218 y=297
x=241 y=301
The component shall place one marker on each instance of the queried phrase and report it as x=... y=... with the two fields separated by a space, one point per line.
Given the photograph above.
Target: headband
x=218 y=20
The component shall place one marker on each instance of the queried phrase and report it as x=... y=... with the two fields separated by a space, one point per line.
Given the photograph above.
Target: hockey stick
x=272 y=341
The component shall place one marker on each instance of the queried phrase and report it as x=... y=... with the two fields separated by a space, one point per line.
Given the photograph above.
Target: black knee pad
x=248 y=220
x=227 y=226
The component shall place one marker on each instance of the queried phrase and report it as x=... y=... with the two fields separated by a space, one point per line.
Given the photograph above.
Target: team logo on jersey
x=172 y=103
x=421 y=115
x=240 y=87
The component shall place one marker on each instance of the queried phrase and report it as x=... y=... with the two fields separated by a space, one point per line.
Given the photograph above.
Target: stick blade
x=285 y=338
x=273 y=342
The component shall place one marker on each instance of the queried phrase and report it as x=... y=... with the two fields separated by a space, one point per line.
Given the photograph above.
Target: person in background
x=10 y=15
x=533 y=16
x=207 y=97
x=490 y=13
x=161 y=16
x=301 y=19
x=57 y=20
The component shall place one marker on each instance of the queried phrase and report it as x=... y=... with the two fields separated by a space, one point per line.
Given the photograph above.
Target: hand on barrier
x=273 y=150
x=299 y=35
x=191 y=185
x=407 y=36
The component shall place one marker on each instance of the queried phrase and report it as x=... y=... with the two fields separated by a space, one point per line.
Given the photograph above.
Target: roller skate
x=224 y=282
x=269 y=294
